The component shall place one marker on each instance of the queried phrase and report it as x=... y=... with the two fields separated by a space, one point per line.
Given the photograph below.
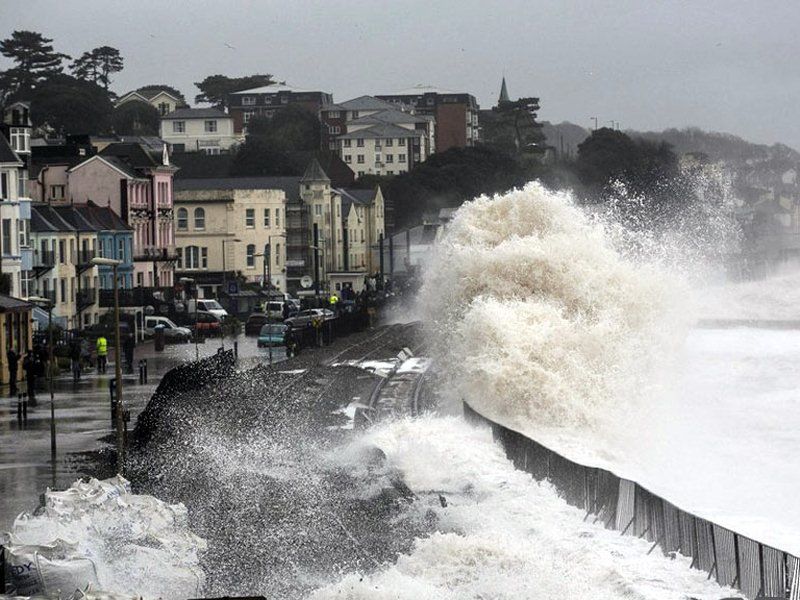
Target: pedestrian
x=13 y=362
x=128 y=347
x=285 y=310
x=30 y=366
x=102 y=353
x=75 y=359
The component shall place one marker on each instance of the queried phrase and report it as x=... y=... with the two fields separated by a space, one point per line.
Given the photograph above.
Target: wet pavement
x=83 y=420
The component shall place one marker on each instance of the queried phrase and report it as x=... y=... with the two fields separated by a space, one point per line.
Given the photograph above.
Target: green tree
x=97 y=65
x=292 y=128
x=34 y=60
x=214 y=89
x=70 y=105
x=511 y=126
x=135 y=118
x=258 y=157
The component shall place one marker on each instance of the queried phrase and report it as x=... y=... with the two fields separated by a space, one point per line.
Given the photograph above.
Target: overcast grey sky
x=725 y=65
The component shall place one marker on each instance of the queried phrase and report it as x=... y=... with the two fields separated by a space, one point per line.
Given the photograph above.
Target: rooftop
x=11 y=304
x=362 y=103
x=391 y=115
x=7 y=155
x=421 y=89
x=196 y=113
x=358 y=196
x=382 y=130
x=290 y=185
x=272 y=89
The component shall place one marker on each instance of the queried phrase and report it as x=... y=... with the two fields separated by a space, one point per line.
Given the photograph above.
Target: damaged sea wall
x=758 y=570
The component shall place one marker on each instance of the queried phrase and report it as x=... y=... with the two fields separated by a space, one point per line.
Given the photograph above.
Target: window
x=360 y=142
x=20 y=139
x=62 y=251
x=183 y=219
x=204 y=257
x=250 y=218
x=401 y=158
x=179 y=127
x=277 y=254
x=179 y=252
x=199 y=218
x=163 y=108
x=6 y=241
x=360 y=158
x=248 y=100
x=347 y=143
x=266 y=217
x=389 y=142
x=333 y=114
x=361 y=173
x=211 y=126
x=192 y=256
x=284 y=99
x=121 y=249
x=57 y=192
x=277 y=217
x=401 y=141
x=390 y=172
x=335 y=129
x=389 y=158
x=348 y=158
x=247 y=115
x=251 y=256
x=63 y=289
x=354 y=114
x=318 y=210
x=3 y=186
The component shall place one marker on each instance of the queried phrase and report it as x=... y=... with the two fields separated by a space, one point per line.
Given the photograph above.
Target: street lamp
x=184 y=281
x=110 y=262
x=39 y=300
x=267 y=281
x=224 y=272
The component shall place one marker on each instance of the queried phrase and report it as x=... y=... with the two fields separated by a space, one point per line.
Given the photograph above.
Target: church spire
x=503 y=92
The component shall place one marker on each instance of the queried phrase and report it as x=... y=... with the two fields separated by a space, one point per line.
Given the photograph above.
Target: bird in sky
x=229 y=46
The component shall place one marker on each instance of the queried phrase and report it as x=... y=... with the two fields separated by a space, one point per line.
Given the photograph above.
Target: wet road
x=83 y=419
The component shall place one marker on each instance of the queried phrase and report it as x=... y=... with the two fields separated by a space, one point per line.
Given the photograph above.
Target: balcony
x=85 y=298
x=140 y=296
x=151 y=254
x=43 y=261
x=83 y=260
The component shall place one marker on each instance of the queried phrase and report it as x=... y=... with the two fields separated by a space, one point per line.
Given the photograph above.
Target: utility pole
x=595 y=122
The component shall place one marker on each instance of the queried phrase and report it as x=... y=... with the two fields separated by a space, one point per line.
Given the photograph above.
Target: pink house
x=137 y=184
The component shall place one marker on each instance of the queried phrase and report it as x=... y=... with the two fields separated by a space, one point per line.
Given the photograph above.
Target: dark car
x=207 y=324
x=305 y=317
x=255 y=322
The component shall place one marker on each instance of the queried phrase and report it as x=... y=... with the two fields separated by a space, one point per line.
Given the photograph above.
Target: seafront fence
x=734 y=560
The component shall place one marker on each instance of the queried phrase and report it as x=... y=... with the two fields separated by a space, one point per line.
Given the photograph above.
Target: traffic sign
x=306 y=281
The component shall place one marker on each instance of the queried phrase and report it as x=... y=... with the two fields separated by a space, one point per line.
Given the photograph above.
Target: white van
x=208 y=305
x=172 y=332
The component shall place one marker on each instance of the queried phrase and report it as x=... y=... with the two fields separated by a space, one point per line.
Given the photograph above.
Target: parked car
x=304 y=317
x=274 y=309
x=172 y=332
x=207 y=324
x=272 y=334
x=208 y=305
x=255 y=322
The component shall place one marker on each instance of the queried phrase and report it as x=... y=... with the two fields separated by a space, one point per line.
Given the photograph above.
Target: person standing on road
x=31 y=371
x=13 y=362
x=102 y=354
x=75 y=359
x=128 y=347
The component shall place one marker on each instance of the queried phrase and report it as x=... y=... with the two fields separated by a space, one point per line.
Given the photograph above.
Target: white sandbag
x=22 y=572
x=65 y=576
x=93 y=594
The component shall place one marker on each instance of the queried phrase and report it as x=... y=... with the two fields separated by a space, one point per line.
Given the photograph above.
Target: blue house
x=114 y=240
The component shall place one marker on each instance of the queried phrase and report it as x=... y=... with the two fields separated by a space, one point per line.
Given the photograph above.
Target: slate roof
x=196 y=113
x=133 y=154
x=383 y=130
x=73 y=218
x=7 y=155
x=271 y=89
x=11 y=304
x=363 y=197
x=314 y=172
x=45 y=219
x=388 y=116
x=290 y=185
x=362 y=103
x=102 y=218
x=419 y=89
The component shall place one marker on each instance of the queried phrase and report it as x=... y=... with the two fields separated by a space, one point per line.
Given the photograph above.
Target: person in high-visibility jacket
x=102 y=354
x=333 y=301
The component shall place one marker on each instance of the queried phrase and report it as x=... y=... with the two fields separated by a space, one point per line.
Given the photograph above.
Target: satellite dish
x=306 y=281
x=149 y=310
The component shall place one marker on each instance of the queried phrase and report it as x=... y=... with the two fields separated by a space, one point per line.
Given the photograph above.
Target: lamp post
x=184 y=281
x=267 y=279
x=110 y=262
x=40 y=301
x=224 y=271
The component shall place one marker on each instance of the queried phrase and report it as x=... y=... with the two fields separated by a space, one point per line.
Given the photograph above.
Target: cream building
x=207 y=130
x=161 y=100
x=346 y=226
x=244 y=217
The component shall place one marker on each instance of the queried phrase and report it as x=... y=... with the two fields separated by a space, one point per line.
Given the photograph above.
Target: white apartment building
x=206 y=130
x=382 y=149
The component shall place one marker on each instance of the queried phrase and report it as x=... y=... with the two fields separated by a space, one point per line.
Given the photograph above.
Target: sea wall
x=758 y=570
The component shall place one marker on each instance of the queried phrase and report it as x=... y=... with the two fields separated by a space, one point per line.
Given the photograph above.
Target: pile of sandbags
x=98 y=535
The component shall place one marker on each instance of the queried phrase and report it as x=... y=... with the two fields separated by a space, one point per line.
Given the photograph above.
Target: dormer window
x=20 y=139
x=163 y=108
x=248 y=100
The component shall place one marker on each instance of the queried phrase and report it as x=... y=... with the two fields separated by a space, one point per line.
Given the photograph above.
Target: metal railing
x=86 y=297
x=758 y=570
x=84 y=257
x=44 y=259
